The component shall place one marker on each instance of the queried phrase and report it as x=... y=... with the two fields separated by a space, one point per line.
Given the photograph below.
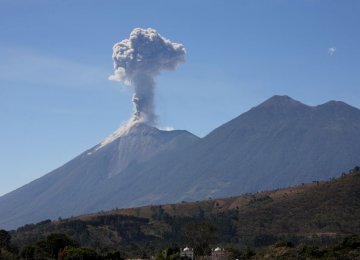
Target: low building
x=219 y=254
x=187 y=252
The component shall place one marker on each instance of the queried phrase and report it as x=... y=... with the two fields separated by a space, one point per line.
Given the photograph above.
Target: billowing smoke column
x=138 y=60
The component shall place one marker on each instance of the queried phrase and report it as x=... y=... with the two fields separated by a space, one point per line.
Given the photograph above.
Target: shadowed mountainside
x=279 y=143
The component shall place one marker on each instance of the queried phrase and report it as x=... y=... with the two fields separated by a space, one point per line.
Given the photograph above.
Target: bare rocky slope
x=80 y=185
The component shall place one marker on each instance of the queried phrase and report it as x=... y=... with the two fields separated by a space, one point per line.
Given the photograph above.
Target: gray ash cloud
x=138 y=60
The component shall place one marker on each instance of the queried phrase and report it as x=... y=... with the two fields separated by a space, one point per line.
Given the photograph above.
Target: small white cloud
x=166 y=128
x=332 y=51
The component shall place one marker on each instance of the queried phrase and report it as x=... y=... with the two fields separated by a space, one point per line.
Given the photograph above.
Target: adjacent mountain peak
x=281 y=101
x=333 y=104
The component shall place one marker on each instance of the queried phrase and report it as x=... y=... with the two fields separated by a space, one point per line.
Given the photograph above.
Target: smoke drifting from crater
x=138 y=60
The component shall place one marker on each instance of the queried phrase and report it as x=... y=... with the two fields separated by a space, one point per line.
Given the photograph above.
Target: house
x=187 y=252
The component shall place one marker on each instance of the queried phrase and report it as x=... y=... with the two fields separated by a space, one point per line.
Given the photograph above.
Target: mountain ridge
x=279 y=143
x=238 y=142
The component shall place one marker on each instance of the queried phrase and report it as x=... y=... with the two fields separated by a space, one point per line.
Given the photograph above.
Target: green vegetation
x=59 y=246
x=318 y=220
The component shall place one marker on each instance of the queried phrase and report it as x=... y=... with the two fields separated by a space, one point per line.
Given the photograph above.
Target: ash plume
x=138 y=60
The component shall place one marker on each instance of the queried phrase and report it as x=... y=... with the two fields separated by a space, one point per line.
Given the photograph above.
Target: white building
x=187 y=252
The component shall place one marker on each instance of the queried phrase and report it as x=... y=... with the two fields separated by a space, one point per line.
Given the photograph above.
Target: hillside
x=279 y=143
x=319 y=212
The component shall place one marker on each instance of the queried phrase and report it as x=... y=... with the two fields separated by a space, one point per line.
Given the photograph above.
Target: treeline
x=61 y=247
x=54 y=246
x=309 y=221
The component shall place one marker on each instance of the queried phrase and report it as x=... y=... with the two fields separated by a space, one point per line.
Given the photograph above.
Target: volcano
x=279 y=143
x=80 y=185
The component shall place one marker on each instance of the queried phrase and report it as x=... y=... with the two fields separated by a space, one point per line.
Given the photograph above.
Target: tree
x=6 y=255
x=79 y=253
x=41 y=250
x=170 y=253
x=4 y=239
x=27 y=252
x=200 y=235
x=113 y=256
x=5 y=243
x=52 y=245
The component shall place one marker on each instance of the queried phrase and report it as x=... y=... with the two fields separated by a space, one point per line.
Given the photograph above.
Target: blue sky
x=55 y=58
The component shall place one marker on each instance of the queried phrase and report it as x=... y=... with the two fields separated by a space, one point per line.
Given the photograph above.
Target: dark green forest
x=310 y=221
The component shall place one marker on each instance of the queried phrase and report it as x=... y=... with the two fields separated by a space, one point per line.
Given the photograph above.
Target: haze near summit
x=137 y=61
